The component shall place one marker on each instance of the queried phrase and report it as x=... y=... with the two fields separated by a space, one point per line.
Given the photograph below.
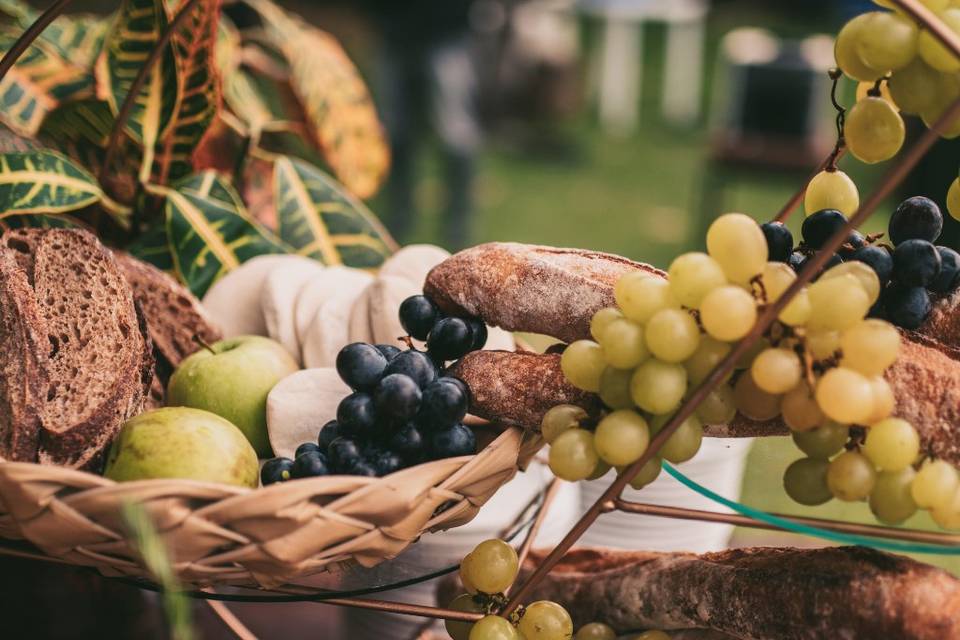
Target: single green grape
x=866 y=276
x=457 y=629
x=719 y=406
x=947 y=513
x=946 y=93
x=599 y=471
x=582 y=363
x=800 y=409
x=824 y=441
x=873 y=130
x=623 y=343
x=694 y=275
x=615 y=388
x=883 y=400
x=465 y=580
x=776 y=370
x=891 y=501
x=870 y=346
x=621 y=437
x=685 y=441
x=892 y=444
x=601 y=320
x=572 y=455
x=745 y=360
x=837 y=303
x=822 y=344
x=846 y=55
x=953 y=199
x=545 y=620
x=649 y=472
x=672 y=335
x=560 y=418
x=933 y=52
x=492 y=566
x=595 y=631
x=776 y=278
x=708 y=355
x=736 y=242
x=887 y=41
x=805 y=481
x=831 y=190
x=658 y=387
x=934 y=484
x=753 y=402
x=728 y=313
x=851 y=476
x=914 y=86
x=845 y=396
x=640 y=295
x=494 y=628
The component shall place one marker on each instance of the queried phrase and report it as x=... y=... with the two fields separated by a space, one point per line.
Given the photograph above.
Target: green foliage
x=265 y=111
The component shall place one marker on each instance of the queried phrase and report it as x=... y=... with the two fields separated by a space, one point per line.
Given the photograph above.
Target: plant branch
x=32 y=33
x=126 y=108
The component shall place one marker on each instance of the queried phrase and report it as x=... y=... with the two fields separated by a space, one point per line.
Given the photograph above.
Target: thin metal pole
x=874 y=531
x=230 y=620
x=404 y=608
x=32 y=33
x=552 y=490
x=126 y=107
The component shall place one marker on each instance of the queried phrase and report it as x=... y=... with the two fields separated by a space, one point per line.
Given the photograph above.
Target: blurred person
x=427 y=89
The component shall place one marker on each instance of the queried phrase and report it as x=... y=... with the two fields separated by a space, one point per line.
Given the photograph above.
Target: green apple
x=232 y=379
x=182 y=443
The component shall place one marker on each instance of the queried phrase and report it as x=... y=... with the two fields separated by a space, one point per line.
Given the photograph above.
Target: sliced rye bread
x=175 y=319
x=23 y=370
x=99 y=353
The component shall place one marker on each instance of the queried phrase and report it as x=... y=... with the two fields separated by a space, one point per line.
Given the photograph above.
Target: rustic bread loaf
x=531 y=288
x=23 y=364
x=99 y=353
x=759 y=593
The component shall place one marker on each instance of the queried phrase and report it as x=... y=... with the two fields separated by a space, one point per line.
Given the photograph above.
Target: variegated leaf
x=44 y=182
x=153 y=246
x=37 y=83
x=40 y=221
x=210 y=232
x=76 y=38
x=127 y=46
x=319 y=218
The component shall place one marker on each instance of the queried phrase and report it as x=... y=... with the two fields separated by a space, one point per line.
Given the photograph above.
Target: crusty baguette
x=23 y=364
x=100 y=356
x=758 y=594
x=532 y=288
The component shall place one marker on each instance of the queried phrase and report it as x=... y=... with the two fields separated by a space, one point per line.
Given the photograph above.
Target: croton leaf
x=40 y=221
x=37 y=83
x=134 y=34
x=153 y=245
x=320 y=219
x=44 y=181
x=209 y=230
x=194 y=43
x=76 y=38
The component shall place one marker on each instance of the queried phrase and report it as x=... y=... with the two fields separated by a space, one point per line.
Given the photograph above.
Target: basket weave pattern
x=219 y=534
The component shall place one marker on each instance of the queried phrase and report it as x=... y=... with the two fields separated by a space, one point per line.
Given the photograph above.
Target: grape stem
x=835 y=75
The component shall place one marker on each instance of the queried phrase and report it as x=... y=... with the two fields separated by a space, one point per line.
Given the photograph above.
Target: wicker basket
x=218 y=534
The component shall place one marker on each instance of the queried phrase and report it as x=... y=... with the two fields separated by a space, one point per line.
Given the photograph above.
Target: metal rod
x=230 y=619
x=404 y=608
x=552 y=490
x=871 y=530
x=787 y=210
x=929 y=20
x=32 y=33
x=126 y=107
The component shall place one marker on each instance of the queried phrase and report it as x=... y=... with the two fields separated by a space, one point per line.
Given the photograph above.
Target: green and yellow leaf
x=76 y=38
x=40 y=221
x=210 y=232
x=318 y=218
x=44 y=181
x=153 y=245
x=134 y=34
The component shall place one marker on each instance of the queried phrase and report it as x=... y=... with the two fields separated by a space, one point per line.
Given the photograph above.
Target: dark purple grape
x=915 y=263
x=444 y=404
x=479 y=329
x=363 y=468
x=796 y=260
x=454 y=441
x=779 y=241
x=820 y=226
x=450 y=339
x=878 y=259
x=408 y=441
x=343 y=454
x=904 y=306
x=415 y=364
x=385 y=463
x=357 y=415
x=834 y=260
x=949 y=276
x=855 y=241
x=276 y=470
x=310 y=465
x=328 y=433
x=397 y=398
x=389 y=351
x=307 y=447
x=418 y=314
x=916 y=218
x=360 y=365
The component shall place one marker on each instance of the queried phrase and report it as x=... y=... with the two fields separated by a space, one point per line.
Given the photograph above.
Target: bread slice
x=99 y=354
x=23 y=372
x=175 y=318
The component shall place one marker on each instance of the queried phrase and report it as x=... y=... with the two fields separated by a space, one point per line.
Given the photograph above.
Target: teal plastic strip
x=789 y=525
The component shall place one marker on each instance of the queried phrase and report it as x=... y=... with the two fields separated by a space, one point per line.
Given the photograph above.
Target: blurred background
x=616 y=125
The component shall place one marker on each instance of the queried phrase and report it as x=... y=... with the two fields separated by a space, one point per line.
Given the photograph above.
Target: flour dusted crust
x=531 y=288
